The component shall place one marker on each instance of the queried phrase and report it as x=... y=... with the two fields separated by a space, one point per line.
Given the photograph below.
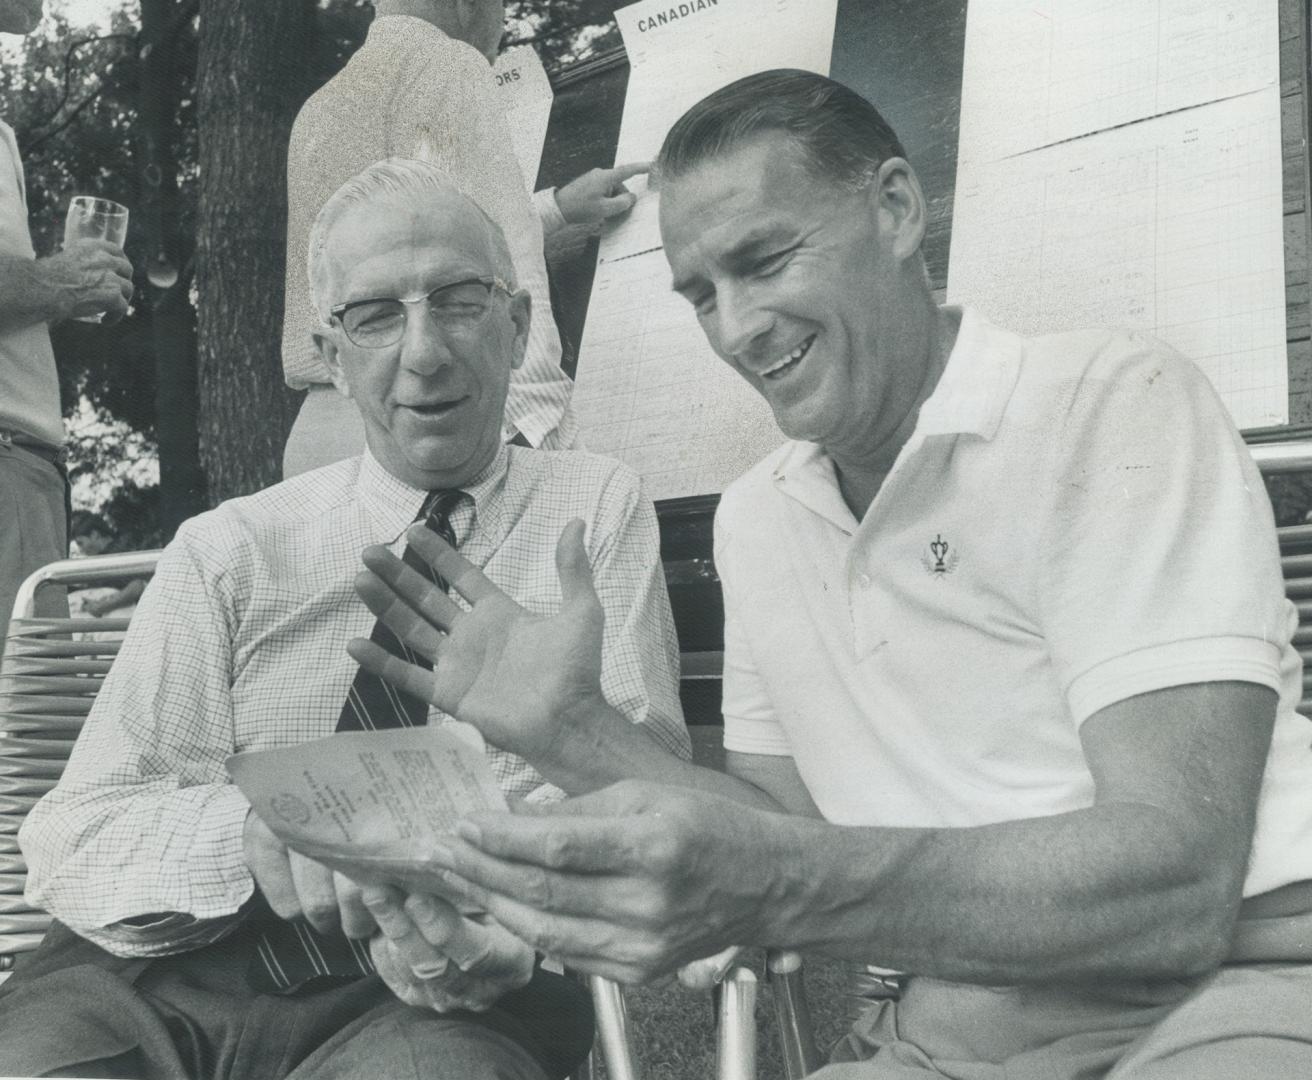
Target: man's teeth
x=789 y=360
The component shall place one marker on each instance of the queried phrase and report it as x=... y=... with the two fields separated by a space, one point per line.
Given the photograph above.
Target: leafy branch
x=68 y=91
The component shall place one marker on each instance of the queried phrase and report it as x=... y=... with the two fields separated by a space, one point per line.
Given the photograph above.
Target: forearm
x=30 y=293
x=1117 y=890
x=600 y=746
x=101 y=857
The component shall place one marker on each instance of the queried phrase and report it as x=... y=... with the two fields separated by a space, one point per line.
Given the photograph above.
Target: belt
x=56 y=455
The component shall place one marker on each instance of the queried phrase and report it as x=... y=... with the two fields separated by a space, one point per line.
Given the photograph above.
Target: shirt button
x=863 y=580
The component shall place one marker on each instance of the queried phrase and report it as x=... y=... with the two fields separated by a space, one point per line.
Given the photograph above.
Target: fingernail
x=467 y=830
x=431 y=969
x=421 y=905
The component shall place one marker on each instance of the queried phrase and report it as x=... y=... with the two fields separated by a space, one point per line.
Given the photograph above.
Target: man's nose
x=740 y=320
x=425 y=348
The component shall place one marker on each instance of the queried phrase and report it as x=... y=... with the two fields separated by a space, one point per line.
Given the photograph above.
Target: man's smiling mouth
x=784 y=366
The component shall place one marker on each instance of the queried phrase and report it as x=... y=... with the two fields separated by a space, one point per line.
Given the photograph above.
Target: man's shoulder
x=578 y=474
x=393 y=55
x=1100 y=353
x=1084 y=371
x=248 y=519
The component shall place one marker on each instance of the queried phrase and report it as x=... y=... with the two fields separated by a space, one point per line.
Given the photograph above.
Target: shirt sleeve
x=750 y=725
x=548 y=210
x=450 y=107
x=640 y=652
x=1158 y=554
x=144 y=824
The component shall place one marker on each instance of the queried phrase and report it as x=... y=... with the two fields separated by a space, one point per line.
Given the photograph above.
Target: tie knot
x=439 y=504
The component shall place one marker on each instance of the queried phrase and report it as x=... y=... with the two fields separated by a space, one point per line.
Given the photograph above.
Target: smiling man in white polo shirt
x=1009 y=690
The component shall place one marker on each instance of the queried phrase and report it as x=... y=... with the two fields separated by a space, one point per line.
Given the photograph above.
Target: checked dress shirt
x=239 y=644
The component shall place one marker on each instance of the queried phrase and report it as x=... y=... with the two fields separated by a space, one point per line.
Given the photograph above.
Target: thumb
x=573 y=567
x=614 y=205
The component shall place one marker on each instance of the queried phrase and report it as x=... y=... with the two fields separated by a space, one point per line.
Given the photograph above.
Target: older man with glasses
x=184 y=925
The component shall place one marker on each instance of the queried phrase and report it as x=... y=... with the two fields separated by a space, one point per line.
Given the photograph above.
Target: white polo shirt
x=1074 y=521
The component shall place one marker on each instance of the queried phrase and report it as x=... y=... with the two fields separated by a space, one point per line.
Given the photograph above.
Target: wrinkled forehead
x=394 y=243
x=762 y=185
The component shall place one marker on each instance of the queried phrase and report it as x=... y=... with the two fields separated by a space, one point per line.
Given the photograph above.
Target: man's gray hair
x=389 y=178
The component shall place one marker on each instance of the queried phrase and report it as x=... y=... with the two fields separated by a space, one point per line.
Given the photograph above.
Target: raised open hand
x=515 y=676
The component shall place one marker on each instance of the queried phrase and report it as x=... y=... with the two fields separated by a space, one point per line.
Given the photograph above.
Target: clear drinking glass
x=90 y=218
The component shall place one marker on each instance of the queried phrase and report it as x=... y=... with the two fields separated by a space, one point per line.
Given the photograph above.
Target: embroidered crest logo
x=942 y=559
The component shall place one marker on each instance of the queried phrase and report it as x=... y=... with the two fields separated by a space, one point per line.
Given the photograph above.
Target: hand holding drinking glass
x=92 y=260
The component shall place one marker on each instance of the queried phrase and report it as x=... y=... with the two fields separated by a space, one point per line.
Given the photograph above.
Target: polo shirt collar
x=393 y=505
x=970 y=399
x=976 y=384
x=806 y=473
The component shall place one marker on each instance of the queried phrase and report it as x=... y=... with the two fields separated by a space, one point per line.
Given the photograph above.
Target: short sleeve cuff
x=544 y=202
x=1177 y=663
x=744 y=736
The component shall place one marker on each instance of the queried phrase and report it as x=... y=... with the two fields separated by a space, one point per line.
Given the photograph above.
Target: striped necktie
x=291 y=954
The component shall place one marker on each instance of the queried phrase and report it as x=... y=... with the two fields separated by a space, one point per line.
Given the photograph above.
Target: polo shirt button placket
x=866 y=637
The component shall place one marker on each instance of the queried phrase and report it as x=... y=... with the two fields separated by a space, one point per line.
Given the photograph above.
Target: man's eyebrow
x=744 y=249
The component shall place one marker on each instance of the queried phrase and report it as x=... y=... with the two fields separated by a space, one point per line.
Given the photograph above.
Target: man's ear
x=521 y=315
x=327 y=347
x=900 y=206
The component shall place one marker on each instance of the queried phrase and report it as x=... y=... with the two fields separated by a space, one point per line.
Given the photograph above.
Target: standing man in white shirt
x=421 y=86
x=87 y=278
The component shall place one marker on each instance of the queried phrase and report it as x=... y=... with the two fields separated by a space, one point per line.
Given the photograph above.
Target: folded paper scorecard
x=375 y=805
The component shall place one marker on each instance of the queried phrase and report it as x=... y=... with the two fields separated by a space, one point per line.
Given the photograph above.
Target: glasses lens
x=460 y=306
x=373 y=325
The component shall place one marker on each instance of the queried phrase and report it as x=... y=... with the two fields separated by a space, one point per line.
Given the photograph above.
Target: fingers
x=463 y=575
x=573 y=565
x=387 y=906
x=269 y=864
x=576 y=866
x=395 y=973
x=117 y=306
x=585 y=944
x=413 y=680
x=103 y=264
x=355 y=917
x=415 y=629
x=446 y=960
x=315 y=892
x=293 y=885
x=409 y=585
x=626 y=172
x=615 y=205
x=389 y=581
x=441 y=925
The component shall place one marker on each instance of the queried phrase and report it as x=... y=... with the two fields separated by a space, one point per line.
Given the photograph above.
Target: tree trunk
x=173 y=321
x=251 y=80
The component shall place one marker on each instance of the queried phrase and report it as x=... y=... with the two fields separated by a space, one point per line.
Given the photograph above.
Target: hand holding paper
x=375 y=806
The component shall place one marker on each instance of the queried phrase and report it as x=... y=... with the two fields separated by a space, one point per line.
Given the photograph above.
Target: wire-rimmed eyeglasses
x=457 y=308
